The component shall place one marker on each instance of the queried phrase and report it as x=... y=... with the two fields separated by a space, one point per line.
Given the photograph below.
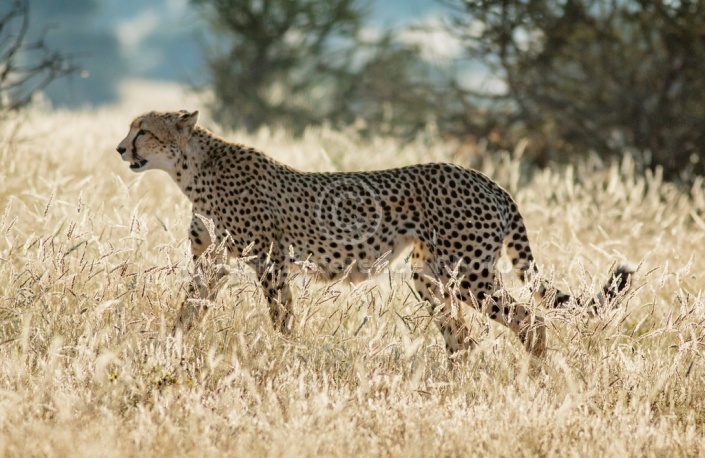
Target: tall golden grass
x=94 y=259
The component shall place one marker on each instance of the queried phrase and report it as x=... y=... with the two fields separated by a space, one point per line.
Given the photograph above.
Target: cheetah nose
x=121 y=149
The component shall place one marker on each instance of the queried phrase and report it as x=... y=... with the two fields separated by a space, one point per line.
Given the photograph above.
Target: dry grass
x=93 y=259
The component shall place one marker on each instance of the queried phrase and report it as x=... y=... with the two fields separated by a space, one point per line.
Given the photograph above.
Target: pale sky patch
x=176 y=8
x=479 y=79
x=435 y=42
x=370 y=33
x=133 y=31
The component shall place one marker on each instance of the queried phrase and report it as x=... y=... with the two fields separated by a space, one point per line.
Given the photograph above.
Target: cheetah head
x=156 y=140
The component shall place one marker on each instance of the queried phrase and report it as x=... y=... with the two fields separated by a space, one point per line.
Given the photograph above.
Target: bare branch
x=26 y=67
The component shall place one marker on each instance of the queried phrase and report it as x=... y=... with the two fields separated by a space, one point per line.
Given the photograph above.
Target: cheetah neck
x=185 y=174
x=195 y=164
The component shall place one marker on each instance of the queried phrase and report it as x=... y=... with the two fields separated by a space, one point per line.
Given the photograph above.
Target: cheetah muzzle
x=138 y=163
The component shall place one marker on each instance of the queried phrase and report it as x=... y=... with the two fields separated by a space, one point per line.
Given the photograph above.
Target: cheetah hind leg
x=440 y=305
x=504 y=309
x=529 y=327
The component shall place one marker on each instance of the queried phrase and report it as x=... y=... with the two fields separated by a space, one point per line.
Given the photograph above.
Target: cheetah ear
x=186 y=120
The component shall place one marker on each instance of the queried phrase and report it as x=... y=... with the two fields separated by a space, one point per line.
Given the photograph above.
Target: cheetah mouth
x=138 y=164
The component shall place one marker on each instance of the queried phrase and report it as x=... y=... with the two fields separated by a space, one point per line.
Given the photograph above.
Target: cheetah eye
x=141 y=132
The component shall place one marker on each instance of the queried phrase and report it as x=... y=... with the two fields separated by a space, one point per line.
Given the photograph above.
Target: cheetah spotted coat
x=455 y=220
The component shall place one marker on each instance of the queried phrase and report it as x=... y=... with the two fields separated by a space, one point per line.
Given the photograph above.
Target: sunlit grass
x=94 y=259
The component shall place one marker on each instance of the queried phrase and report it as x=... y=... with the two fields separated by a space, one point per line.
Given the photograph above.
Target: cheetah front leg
x=202 y=290
x=273 y=279
x=206 y=282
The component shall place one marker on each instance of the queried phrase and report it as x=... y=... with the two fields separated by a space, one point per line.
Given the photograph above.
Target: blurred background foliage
x=562 y=78
x=594 y=75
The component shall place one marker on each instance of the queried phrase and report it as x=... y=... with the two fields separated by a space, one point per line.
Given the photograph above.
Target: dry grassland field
x=94 y=261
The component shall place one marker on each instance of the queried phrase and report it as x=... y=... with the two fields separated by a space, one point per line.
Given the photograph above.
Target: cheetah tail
x=518 y=250
x=618 y=284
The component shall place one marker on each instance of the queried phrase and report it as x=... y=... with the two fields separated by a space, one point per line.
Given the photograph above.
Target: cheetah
x=454 y=222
